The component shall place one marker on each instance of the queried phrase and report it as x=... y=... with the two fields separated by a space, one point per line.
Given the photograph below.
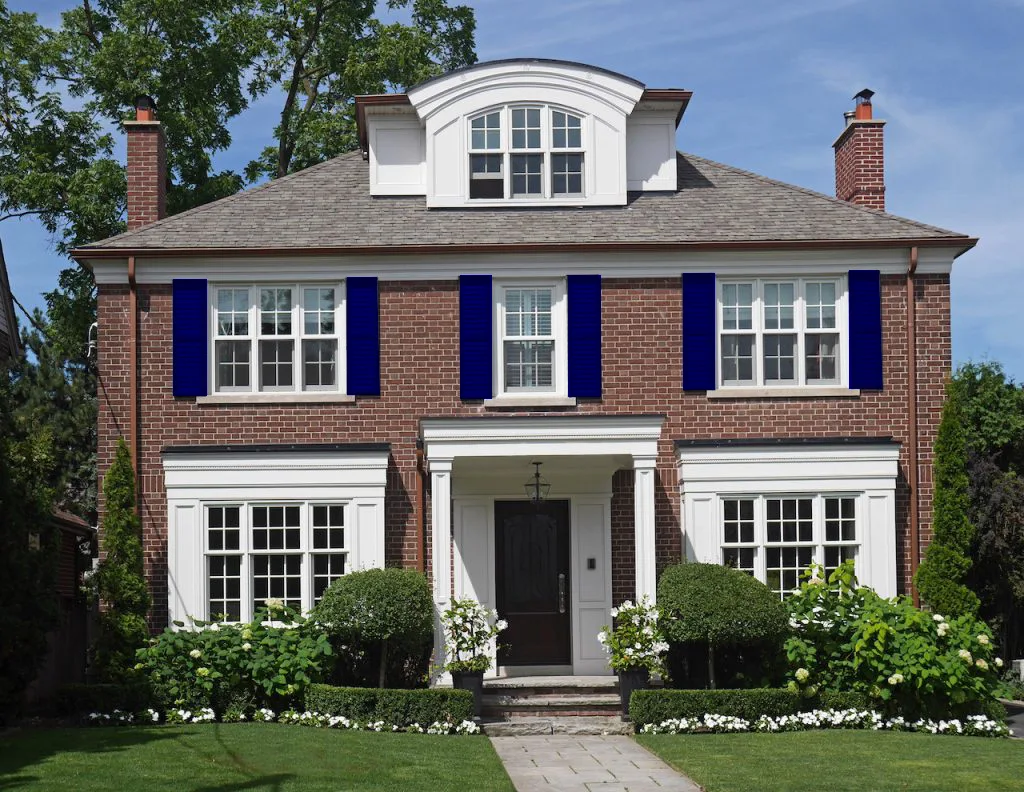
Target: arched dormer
x=525 y=132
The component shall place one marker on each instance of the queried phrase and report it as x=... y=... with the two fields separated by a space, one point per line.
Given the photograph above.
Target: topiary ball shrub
x=721 y=624
x=381 y=625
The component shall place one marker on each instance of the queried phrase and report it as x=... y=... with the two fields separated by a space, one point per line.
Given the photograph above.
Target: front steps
x=515 y=706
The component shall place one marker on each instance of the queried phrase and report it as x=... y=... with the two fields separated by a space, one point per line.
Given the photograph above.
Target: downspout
x=421 y=506
x=133 y=381
x=912 y=469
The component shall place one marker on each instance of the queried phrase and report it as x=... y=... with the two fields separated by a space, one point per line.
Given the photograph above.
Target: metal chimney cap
x=144 y=102
x=864 y=97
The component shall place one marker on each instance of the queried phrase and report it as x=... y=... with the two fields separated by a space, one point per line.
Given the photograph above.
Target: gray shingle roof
x=329 y=206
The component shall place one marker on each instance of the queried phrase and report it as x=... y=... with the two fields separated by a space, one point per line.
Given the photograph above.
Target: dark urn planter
x=629 y=680
x=473 y=681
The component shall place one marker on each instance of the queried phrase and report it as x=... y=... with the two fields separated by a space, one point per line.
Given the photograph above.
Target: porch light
x=537 y=489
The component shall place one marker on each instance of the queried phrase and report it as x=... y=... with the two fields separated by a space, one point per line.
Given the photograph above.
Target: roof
x=72 y=523
x=10 y=342
x=329 y=207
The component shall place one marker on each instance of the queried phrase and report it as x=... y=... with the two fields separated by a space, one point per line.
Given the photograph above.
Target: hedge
x=83 y=699
x=655 y=706
x=398 y=707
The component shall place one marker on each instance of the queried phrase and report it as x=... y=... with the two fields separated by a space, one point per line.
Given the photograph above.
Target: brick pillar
x=147 y=166
x=860 y=157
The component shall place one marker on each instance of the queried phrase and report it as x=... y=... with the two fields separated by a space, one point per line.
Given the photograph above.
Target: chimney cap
x=864 y=96
x=144 y=102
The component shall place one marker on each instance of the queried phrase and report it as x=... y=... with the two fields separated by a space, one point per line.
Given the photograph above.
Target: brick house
x=360 y=364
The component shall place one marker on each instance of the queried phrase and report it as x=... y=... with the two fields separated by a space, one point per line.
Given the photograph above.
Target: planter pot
x=630 y=680
x=472 y=681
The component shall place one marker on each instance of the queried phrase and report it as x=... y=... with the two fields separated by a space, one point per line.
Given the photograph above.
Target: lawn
x=842 y=760
x=250 y=756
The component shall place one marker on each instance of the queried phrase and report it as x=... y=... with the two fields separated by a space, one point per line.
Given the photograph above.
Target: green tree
x=29 y=544
x=120 y=584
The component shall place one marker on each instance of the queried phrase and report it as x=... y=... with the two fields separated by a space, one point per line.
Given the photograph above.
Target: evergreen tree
x=120 y=583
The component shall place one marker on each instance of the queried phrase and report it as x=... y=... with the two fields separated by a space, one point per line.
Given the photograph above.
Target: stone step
x=518 y=727
x=551 y=704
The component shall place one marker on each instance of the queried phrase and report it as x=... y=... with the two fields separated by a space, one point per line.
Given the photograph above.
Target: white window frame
x=247 y=552
x=800 y=330
x=298 y=337
x=818 y=542
x=546 y=151
x=559 y=331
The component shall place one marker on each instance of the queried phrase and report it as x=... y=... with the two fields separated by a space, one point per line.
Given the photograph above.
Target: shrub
x=233 y=668
x=469 y=629
x=905 y=660
x=637 y=642
x=120 y=583
x=103 y=698
x=713 y=606
x=398 y=707
x=375 y=613
x=657 y=706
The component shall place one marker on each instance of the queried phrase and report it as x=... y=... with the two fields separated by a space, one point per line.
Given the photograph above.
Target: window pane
x=822 y=353
x=741 y=558
x=821 y=305
x=232 y=312
x=526 y=174
x=840 y=522
x=319 y=358
x=527 y=312
x=278 y=576
x=318 y=311
x=565 y=131
x=275 y=311
x=232 y=364
x=222 y=531
x=486 y=131
x=276 y=364
x=326 y=569
x=737 y=359
x=778 y=306
x=779 y=358
x=737 y=306
x=328 y=528
x=486 y=176
x=224 y=588
x=529 y=365
x=566 y=174
x=738 y=523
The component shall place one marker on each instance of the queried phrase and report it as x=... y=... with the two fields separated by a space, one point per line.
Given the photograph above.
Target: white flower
x=802 y=675
x=938 y=618
x=816 y=581
x=501 y=624
x=246 y=646
x=983 y=639
x=896 y=678
x=274 y=604
x=999 y=662
x=195 y=654
x=965 y=655
x=943 y=628
x=981 y=664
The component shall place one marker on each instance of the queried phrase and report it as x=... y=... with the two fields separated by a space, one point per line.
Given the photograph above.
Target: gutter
x=133 y=371
x=421 y=507
x=912 y=461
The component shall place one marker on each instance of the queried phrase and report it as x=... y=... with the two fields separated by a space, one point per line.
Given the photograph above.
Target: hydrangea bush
x=469 y=629
x=232 y=668
x=906 y=660
x=637 y=641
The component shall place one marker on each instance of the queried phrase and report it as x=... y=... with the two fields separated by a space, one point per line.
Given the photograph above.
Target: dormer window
x=525 y=153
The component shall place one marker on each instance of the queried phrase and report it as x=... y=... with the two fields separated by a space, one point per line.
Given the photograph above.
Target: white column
x=643 y=522
x=441 y=551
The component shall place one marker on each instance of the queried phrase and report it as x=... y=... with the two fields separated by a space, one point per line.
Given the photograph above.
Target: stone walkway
x=586 y=764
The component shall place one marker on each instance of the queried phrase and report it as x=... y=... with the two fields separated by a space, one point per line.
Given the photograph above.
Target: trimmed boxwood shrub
x=398 y=707
x=83 y=699
x=709 y=607
x=381 y=625
x=655 y=706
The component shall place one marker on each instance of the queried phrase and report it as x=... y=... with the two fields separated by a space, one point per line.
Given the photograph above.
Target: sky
x=770 y=82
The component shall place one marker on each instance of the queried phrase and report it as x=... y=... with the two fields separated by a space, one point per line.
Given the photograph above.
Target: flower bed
x=400 y=707
x=657 y=706
x=971 y=726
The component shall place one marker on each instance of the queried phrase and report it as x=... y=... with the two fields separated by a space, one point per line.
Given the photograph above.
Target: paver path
x=569 y=763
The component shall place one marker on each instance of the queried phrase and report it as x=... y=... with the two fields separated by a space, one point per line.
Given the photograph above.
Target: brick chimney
x=860 y=156
x=147 y=166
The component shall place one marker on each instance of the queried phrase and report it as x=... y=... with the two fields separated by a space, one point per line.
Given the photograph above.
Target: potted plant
x=468 y=630
x=636 y=646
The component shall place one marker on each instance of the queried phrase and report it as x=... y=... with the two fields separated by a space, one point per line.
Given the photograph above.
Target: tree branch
x=90 y=25
x=286 y=146
x=25 y=213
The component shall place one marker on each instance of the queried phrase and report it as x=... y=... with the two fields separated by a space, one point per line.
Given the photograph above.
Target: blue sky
x=771 y=81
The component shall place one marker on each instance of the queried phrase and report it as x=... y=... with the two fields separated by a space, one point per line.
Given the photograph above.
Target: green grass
x=843 y=760
x=249 y=756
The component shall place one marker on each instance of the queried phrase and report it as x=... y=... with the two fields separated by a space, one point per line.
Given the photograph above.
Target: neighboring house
x=10 y=341
x=359 y=364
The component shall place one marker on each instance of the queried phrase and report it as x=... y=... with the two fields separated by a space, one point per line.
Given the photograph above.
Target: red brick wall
x=642 y=358
x=860 y=165
x=147 y=169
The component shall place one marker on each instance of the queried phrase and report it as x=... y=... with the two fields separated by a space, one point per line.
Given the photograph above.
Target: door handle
x=561 y=592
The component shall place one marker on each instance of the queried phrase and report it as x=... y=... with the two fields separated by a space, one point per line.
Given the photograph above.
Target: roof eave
x=369 y=100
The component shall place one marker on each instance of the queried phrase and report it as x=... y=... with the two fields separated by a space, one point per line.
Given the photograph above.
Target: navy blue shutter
x=584 y=343
x=699 y=331
x=362 y=337
x=190 y=326
x=865 y=329
x=476 y=337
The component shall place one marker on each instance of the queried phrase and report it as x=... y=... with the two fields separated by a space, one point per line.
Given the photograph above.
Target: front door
x=532 y=561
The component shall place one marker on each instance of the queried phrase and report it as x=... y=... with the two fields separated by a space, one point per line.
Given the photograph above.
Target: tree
x=29 y=544
x=120 y=584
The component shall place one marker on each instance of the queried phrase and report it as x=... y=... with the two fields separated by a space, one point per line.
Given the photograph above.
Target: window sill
x=275 y=398
x=806 y=392
x=528 y=402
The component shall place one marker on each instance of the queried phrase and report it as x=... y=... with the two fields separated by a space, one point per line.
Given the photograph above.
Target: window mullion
x=758 y=325
x=800 y=327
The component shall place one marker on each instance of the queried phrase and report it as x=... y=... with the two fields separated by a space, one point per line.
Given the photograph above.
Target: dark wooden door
x=532 y=561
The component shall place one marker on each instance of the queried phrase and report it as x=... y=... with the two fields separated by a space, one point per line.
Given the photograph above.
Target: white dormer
x=522 y=133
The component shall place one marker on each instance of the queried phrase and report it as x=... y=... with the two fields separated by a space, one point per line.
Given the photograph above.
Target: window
x=782 y=332
x=528 y=152
x=274 y=339
x=775 y=538
x=287 y=551
x=532 y=353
